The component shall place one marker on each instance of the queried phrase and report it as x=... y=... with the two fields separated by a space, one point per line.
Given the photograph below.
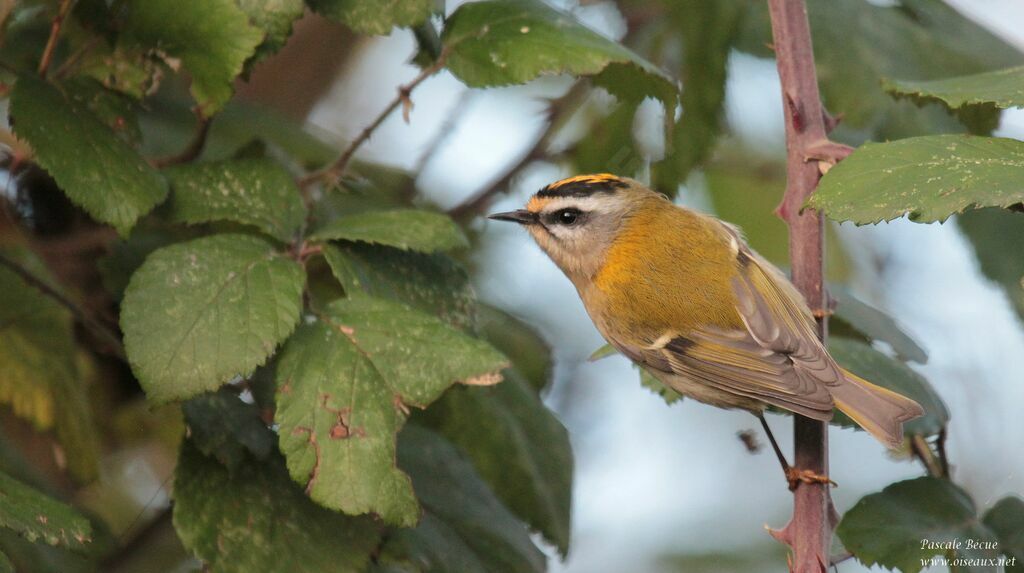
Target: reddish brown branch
x=809 y=532
x=194 y=148
x=335 y=170
x=51 y=42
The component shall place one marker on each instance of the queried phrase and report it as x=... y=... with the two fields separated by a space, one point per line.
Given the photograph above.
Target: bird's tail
x=878 y=410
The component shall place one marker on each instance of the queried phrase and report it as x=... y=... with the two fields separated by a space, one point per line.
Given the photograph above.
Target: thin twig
x=940 y=446
x=922 y=451
x=335 y=170
x=558 y=114
x=51 y=43
x=97 y=327
x=194 y=148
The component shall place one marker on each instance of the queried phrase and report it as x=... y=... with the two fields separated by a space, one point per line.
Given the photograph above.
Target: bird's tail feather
x=878 y=410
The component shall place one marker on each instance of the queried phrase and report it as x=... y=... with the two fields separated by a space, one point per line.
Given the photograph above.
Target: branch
x=809 y=532
x=334 y=171
x=98 y=328
x=51 y=42
x=194 y=148
x=558 y=113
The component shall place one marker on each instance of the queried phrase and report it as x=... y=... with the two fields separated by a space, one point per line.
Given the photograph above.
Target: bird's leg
x=793 y=475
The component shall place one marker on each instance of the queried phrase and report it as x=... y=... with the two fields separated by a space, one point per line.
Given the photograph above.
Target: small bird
x=681 y=294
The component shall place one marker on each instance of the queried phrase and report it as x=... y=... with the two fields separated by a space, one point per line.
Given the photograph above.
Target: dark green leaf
x=525 y=348
x=891 y=528
x=116 y=110
x=1006 y=520
x=877 y=368
x=343 y=383
x=997 y=236
x=253 y=192
x=464 y=527
x=212 y=38
x=257 y=519
x=609 y=145
x=127 y=255
x=5 y=564
x=74 y=426
x=374 y=16
x=517 y=445
x=131 y=70
x=501 y=42
x=1003 y=88
x=92 y=165
x=37 y=516
x=198 y=313
x=875 y=324
x=221 y=425
x=275 y=18
x=433 y=283
x=406 y=229
x=930 y=177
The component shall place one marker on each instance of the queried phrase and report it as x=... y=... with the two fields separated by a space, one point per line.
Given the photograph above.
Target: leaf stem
x=194 y=148
x=98 y=328
x=335 y=170
x=51 y=42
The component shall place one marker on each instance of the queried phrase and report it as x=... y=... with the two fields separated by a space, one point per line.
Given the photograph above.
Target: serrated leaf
x=96 y=169
x=275 y=18
x=997 y=236
x=212 y=39
x=529 y=353
x=198 y=313
x=255 y=192
x=890 y=528
x=502 y=42
x=343 y=383
x=257 y=519
x=930 y=177
x=877 y=368
x=131 y=70
x=221 y=425
x=433 y=283
x=125 y=256
x=1002 y=88
x=36 y=516
x=875 y=324
x=374 y=16
x=464 y=527
x=647 y=380
x=406 y=229
x=1006 y=520
x=518 y=447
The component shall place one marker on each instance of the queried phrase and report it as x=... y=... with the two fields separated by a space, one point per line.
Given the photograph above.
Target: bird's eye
x=568 y=216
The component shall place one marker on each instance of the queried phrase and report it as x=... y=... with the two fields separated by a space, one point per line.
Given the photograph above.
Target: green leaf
x=198 y=313
x=890 y=528
x=433 y=283
x=647 y=380
x=74 y=426
x=930 y=177
x=877 y=368
x=36 y=516
x=502 y=42
x=1002 y=88
x=464 y=527
x=1006 y=520
x=257 y=519
x=255 y=192
x=131 y=70
x=275 y=18
x=125 y=256
x=212 y=38
x=5 y=564
x=343 y=383
x=517 y=445
x=997 y=236
x=221 y=425
x=96 y=169
x=875 y=324
x=374 y=16
x=526 y=349
x=406 y=229
x=609 y=145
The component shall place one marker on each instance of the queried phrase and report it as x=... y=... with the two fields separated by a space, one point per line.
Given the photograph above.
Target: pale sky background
x=650 y=479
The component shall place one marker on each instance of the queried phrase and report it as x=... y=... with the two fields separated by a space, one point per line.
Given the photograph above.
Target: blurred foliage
x=293 y=321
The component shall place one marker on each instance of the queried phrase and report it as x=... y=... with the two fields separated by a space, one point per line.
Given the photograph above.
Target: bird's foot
x=796 y=476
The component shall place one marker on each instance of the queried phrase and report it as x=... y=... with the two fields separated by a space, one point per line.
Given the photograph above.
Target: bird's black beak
x=521 y=216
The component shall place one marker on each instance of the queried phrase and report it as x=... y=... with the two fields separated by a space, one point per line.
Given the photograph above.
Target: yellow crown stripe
x=592 y=178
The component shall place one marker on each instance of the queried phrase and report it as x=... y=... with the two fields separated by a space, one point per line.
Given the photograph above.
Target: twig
x=335 y=170
x=194 y=148
x=558 y=113
x=940 y=446
x=98 y=328
x=922 y=451
x=51 y=42
x=809 y=532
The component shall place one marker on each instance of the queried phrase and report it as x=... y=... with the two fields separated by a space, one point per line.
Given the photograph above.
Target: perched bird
x=681 y=294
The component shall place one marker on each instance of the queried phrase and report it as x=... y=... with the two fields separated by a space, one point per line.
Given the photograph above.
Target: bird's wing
x=776 y=359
